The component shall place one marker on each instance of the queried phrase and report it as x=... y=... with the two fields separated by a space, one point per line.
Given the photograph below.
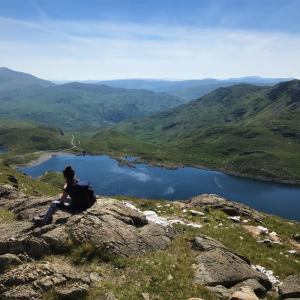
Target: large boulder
x=290 y=287
x=218 y=265
x=113 y=226
x=9 y=259
x=31 y=280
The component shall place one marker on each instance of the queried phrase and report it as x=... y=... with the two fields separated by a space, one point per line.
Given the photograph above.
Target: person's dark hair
x=69 y=173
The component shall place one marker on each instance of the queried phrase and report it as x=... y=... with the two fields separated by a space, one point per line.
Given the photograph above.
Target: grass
x=27 y=185
x=129 y=277
x=54 y=178
x=6 y=217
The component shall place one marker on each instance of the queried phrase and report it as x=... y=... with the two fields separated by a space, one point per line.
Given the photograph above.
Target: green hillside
x=26 y=144
x=243 y=129
x=12 y=80
x=13 y=123
x=242 y=105
x=25 y=184
x=75 y=104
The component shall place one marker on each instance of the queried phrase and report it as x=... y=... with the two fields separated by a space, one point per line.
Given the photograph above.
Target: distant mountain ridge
x=77 y=104
x=12 y=80
x=168 y=86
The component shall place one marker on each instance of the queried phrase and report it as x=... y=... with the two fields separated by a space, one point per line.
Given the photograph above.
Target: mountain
x=77 y=104
x=243 y=129
x=168 y=86
x=241 y=104
x=12 y=80
x=194 y=92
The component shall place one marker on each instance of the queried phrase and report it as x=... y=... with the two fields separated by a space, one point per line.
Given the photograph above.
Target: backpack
x=83 y=195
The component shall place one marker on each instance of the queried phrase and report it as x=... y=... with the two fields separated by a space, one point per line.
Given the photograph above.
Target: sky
x=158 y=39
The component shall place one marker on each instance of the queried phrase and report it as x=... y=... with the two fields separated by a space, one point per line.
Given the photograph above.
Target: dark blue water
x=2 y=151
x=107 y=178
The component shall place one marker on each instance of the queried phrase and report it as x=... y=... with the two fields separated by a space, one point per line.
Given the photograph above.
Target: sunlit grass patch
x=6 y=217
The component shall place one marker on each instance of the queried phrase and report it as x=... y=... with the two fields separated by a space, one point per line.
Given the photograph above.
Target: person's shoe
x=49 y=221
x=38 y=221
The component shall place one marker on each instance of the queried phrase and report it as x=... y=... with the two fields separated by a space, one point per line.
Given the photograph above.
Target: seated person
x=82 y=196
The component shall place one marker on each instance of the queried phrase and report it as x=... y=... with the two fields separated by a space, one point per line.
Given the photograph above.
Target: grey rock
x=297 y=237
x=197 y=213
x=221 y=292
x=146 y=296
x=290 y=287
x=218 y=205
x=246 y=213
x=22 y=292
x=42 y=277
x=118 y=229
x=231 y=211
x=108 y=296
x=9 y=259
x=245 y=293
x=218 y=265
x=94 y=277
x=56 y=237
x=265 y=241
x=257 y=219
x=73 y=292
x=257 y=288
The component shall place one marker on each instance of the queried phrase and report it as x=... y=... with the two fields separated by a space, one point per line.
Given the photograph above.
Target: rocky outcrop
x=109 y=225
x=207 y=201
x=31 y=280
x=119 y=229
x=221 y=268
x=290 y=287
x=9 y=259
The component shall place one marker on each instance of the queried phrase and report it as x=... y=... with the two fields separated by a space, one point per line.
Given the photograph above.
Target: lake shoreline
x=174 y=166
x=44 y=157
x=169 y=166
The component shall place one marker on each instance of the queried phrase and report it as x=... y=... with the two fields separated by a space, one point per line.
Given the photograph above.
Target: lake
x=107 y=178
x=2 y=151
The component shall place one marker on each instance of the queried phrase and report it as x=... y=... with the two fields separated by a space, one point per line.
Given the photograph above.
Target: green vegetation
x=243 y=129
x=129 y=277
x=117 y=144
x=12 y=80
x=26 y=144
x=54 y=178
x=77 y=104
x=13 y=123
x=6 y=217
x=25 y=184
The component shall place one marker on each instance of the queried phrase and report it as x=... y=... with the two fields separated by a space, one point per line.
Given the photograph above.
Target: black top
x=70 y=190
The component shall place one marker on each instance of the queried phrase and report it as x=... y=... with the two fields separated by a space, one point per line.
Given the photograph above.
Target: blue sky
x=80 y=40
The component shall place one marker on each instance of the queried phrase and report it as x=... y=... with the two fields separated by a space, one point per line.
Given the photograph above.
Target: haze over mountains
x=23 y=96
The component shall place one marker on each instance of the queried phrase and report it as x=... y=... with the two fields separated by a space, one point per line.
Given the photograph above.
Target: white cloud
x=102 y=50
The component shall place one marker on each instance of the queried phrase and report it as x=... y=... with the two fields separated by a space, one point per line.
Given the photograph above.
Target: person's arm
x=64 y=195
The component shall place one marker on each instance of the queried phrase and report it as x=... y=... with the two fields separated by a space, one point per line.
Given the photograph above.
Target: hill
x=168 y=86
x=77 y=104
x=12 y=80
x=26 y=144
x=194 y=92
x=243 y=129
